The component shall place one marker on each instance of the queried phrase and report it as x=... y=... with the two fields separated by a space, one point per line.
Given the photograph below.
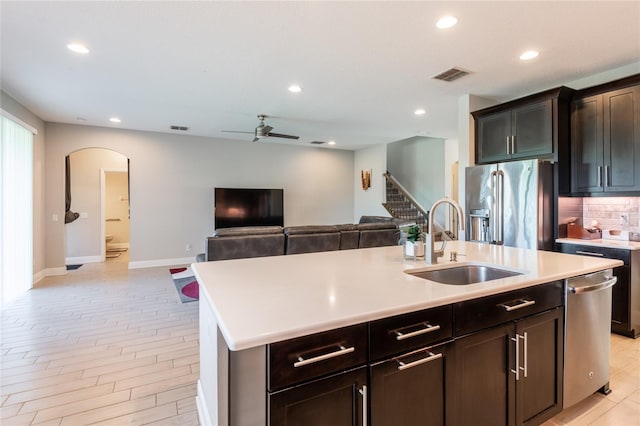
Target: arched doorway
x=99 y=193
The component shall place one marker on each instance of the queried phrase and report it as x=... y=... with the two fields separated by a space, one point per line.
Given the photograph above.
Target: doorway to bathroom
x=97 y=186
x=116 y=213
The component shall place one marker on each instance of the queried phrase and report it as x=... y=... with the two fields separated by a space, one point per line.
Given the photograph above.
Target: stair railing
x=408 y=197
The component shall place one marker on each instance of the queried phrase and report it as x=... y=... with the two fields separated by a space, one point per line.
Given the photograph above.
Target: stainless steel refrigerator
x=511 y=204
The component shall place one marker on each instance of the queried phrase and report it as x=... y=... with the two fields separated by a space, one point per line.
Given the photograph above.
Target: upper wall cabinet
x=605 y=140
x=533 y=127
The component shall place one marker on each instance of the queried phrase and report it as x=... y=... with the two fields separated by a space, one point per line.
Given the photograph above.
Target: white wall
x=11 y=106
x=369 y=202
x=172 y=181
x=84 y=235
x=418 y=164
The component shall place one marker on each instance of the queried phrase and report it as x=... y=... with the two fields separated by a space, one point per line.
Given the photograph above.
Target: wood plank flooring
x=101 y=345
x=104 y=345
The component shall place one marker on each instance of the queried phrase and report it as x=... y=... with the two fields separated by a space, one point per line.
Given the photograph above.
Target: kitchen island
x=250 y=306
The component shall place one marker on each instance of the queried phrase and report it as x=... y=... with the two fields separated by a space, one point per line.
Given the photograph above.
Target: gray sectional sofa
x=259 y=241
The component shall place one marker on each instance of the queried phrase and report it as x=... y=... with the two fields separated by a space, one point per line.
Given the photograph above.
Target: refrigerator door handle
x=500 y=212
x=494 y=207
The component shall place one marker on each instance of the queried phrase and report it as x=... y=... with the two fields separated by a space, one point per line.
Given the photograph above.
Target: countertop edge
x=615 y=244
x=240 y=343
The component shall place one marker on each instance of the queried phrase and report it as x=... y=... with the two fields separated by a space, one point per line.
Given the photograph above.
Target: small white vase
x=414 y=249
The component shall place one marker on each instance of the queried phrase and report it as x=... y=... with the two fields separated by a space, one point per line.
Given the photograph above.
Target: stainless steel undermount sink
x=463 y=274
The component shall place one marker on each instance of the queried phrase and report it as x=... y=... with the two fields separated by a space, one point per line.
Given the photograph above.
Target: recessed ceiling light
x=294 y=88
x=529 y=54
x=114 y=120
x=420 y=111
x=331 y=142
x=446 y=22
x=78 y=48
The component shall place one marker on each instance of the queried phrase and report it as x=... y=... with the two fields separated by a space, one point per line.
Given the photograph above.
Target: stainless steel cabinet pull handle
x=517 y=369
x=428 y=329
x=524 y=304
x=508 y=145
x=526 y=351
x=599 y=175
x=513 y=144
x=606 y=175
x=589 y=253
x=363 y=392
x=343 y=351
x=431 y=357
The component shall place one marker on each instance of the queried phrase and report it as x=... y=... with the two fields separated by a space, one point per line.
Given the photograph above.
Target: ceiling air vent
x=181 y=128
x=451 y=74
x=316 y=142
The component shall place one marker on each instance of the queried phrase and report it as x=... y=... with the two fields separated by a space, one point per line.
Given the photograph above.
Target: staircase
x=401 y=205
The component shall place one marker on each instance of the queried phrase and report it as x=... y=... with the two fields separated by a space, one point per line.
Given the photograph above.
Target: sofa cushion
x=244 y=246
x=379 y=237
x=310 y=239
x=247 y=230
x=375 y=219
x=310 y=229
x=349 y=236
x=377 y=225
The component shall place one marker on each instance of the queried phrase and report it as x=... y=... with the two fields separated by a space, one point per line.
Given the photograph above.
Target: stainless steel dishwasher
x=587 y=335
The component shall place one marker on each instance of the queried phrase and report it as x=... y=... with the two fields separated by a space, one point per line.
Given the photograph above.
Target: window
x=16 y=210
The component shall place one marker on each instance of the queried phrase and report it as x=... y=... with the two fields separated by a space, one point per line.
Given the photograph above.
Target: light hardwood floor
x=110 y=346
x=101 y=345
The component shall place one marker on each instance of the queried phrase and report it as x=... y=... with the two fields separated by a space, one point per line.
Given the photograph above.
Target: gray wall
x=172 y=181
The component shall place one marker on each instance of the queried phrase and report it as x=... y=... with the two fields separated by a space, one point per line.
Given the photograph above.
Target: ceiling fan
x=263 y=131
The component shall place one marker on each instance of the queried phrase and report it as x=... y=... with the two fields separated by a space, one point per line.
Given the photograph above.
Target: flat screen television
x=248 y=207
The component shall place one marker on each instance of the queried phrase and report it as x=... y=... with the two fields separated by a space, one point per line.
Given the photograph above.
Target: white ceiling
x=364 y=66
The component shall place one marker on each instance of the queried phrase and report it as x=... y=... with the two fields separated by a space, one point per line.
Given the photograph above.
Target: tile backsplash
x=621 y=213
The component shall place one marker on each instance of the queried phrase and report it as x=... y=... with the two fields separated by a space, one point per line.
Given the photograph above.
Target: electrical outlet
x=188 y=247
x=624 y=218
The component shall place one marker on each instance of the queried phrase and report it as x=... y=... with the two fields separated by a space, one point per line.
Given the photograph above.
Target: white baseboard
x=201 y=406
x=61 y=270
x=81 y=260
x=117 y=245
x=162 y=262
x=39 y=275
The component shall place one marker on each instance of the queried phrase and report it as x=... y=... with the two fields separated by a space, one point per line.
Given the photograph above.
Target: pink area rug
x=186 y=284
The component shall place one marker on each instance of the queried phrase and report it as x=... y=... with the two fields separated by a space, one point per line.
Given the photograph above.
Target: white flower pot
x=414 y=249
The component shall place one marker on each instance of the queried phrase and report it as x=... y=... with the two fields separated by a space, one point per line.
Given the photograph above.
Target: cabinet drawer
x=402 y=333
x=473 y=315
x=308 y=357
x=607 y=252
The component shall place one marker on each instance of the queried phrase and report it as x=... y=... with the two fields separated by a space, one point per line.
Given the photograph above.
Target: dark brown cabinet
x=524 y=132
x=625 y=302
x=336 y=400
x=530 y=127
x=409 y=390
x=509 y=374
x=408 y=368
x=605 y=142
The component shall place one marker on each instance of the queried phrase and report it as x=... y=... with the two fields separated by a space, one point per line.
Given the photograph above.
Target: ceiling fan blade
x=234 y=131
x=267 y=129
x=280 y=135
x=256 y=139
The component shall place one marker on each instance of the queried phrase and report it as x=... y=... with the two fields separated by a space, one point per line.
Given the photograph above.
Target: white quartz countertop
x=259 y=301
x=619 y=244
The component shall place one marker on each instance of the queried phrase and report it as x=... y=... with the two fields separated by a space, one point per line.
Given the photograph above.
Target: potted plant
x=414 y=246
